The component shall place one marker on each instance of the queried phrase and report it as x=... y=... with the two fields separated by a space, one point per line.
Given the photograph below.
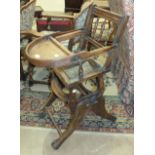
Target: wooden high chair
x=74 y=65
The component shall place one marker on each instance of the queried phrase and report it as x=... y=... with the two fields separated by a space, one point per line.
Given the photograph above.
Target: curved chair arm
x=81 y=56
x=31 y=33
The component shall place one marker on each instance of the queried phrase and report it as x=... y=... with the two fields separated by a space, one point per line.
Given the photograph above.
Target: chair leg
x=22 y=73
x=76 y=119
x=99 y=109
x=50 y=99
x=30 y=73
x=88 y=46
x=109 y=61
x=70 y=44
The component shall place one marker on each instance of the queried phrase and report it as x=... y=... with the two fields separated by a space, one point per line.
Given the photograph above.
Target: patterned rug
x=31 y=101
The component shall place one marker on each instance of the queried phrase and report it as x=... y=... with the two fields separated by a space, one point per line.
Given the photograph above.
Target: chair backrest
x=85 y=5
x=105 y=26
x=82 y=15
x=27 y=15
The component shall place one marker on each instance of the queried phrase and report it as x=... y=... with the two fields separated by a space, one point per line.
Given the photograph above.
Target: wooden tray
x=44 y=51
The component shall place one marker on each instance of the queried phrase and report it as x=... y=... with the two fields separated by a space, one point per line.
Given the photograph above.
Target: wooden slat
x=106 y=14
x=95 y=27
x=60 y=33
x=60 y=73
x=57 y=89
x=31 y=33
x=96 y=52
x=70 y=35
x=97 y=44
x=112 y=32
x=60 y=46
x=87 y=77
x=89 y=20
x=121 y=28
x=51 y=113
x=70 y=60
x=102 y=29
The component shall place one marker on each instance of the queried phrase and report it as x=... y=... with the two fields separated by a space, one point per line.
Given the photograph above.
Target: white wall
x=52 y=5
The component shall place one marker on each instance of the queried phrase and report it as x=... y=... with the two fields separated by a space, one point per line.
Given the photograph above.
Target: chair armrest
x=57 y=15
x=31 y=33
x=81 y=56
x=69 y=35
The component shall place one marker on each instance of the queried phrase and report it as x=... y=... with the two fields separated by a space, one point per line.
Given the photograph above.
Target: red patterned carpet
x=32 y=100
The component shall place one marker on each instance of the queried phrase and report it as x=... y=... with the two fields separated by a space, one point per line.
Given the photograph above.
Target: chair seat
x=71 y=76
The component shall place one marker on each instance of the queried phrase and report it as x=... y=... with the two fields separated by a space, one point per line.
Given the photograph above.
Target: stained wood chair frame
x=93 y=100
